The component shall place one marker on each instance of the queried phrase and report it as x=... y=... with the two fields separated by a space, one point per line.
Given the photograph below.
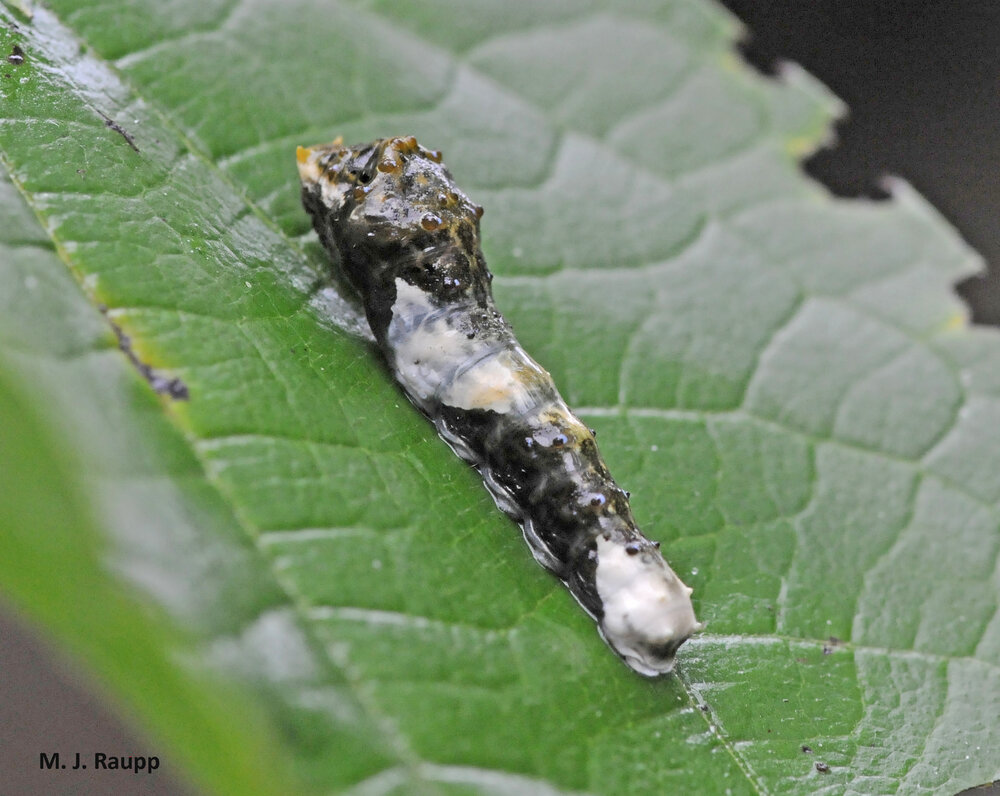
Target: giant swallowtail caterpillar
x=408 y=239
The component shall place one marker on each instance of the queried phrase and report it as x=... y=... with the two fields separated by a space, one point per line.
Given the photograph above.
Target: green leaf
x=784 y=381
x=51 y=568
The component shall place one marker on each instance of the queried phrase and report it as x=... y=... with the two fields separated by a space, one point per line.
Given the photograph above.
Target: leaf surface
x=783 y=380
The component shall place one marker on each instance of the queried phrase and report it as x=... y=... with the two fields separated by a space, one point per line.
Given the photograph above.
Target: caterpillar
x=408 y=240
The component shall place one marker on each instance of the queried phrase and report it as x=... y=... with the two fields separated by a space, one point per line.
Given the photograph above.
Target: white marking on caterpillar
x=408 y=239
x=427 y=349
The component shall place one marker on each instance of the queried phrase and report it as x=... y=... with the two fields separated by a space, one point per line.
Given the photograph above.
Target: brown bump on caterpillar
x=431 y=222
x=389 y=163
x=407 y=145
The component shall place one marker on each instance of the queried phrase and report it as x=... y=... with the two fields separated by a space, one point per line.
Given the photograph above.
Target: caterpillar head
x=379 y=201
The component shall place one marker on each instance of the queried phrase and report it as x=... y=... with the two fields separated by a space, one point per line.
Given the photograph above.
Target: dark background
x=922 y=81
x=48 y=706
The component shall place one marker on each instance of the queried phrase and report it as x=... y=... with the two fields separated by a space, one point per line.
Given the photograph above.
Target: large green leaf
x=783 y=380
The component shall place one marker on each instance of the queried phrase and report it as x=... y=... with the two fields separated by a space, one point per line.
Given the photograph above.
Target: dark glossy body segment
x=408 y=239
x=547 y=473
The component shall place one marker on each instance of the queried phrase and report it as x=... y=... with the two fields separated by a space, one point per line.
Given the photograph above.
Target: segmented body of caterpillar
x=408 y=239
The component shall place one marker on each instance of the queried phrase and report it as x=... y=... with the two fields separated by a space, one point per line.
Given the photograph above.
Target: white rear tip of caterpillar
x=647 y=609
